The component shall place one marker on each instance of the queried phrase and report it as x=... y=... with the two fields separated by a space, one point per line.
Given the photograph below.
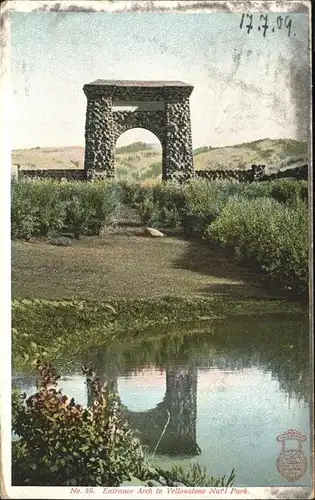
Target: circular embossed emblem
x=292 y=463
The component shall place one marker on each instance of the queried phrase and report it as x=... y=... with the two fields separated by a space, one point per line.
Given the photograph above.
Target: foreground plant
x=61 y=443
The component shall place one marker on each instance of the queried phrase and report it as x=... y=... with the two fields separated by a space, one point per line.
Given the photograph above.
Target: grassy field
x=118 y=285
x=143 y=162
x=128 y=266
x=264 y=225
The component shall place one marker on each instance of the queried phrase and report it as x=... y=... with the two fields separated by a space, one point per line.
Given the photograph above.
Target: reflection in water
x=177 y=412
x=225 y=389
x=277 y=346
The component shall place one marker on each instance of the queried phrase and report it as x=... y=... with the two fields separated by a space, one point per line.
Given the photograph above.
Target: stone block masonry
x=255 y=174
x=170 y=122
x=56 y=174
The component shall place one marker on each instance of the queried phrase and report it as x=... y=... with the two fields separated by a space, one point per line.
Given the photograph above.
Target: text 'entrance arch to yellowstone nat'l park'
x=162 y=107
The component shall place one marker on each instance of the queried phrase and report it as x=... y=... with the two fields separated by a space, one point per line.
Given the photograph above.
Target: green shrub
x=51 y=209
x=265 y=231
x=203 y=203
x=47 y=206
x=169 y=202
x=152 y=171
x=90 y=206
x=254 y=190
x=147 y=210
x=289 y=192
x=78 y=215
x=157 y=205
x=132 y=192
x=24 y=346
x=277 y=237
x=24 y=212
x=61 y=443
x=173 y=205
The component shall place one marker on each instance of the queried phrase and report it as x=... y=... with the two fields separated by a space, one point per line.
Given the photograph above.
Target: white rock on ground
x=153 y=233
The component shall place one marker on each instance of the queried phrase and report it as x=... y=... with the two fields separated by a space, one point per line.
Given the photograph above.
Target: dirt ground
x=128 y=266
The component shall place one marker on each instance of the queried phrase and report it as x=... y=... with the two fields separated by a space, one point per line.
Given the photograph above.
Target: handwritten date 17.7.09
x=282 y=22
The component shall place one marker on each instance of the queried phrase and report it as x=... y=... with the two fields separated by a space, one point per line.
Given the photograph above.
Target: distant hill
x=270 y=152
x=143 y=161
x=42 y=158
x=135 y=147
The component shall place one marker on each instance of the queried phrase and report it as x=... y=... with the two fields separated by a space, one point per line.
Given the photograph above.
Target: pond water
x=226 y=389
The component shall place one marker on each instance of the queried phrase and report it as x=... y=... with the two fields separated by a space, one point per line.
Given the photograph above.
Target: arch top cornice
x=138 y=90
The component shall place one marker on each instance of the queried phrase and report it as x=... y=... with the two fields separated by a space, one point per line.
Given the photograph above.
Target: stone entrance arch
x=160 y=107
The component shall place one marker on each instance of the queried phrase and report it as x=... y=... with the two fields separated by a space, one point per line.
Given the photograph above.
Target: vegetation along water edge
x=263 y=226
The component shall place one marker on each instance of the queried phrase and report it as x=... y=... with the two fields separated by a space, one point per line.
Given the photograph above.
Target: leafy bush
x=133 y=193
x=254 y=190
x=152 y=171
x=172 y=204
x=203 y=203
x=265 y=231
x=90 y=206
x=42 y=207
x=51 y=208
x=24 y=218
x=25 y=347
x=61 y=443
x=46 y=206
x=155 y=205
x=289 y=192
x=169 y=203
x=146 y=208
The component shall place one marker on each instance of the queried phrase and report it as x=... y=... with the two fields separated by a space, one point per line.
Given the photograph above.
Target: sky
x=243 y=84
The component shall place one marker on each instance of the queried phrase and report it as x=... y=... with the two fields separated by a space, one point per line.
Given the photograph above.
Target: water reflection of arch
x=174 y=418
x=227 y=344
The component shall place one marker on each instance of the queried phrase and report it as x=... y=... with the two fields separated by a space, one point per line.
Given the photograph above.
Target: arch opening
x=138 y=156
x=143 y=391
